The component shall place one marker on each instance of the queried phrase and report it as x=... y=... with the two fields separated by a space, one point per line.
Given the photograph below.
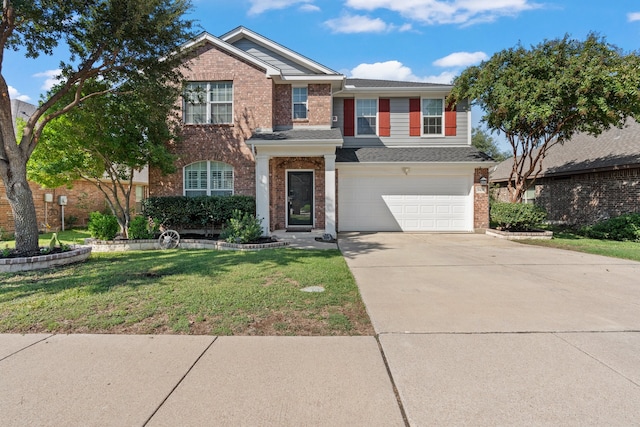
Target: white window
x=208 y=103
x=529 y=195
x=366 y=116
x=432 y=116
x=208 y=179
x=300 y=105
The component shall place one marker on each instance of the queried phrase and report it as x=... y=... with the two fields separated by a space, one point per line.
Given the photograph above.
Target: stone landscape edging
x=38 y=262
x=520 y=235
x=152 y=244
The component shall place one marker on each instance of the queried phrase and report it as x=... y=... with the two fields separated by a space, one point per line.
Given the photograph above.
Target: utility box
x=48 y=198
x=62 y=200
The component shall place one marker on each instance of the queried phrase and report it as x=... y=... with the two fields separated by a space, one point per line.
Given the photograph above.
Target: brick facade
x=586 y=198
x=82 y=199
x=278 y=177
x=480 y=199
x=318 y=103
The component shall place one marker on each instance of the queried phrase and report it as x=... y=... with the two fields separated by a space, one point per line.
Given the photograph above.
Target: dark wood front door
x=300 y=198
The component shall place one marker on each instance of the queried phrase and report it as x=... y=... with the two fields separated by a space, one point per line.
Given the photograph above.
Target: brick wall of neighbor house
x=253 y=99
x=480 y=200
x=82 y=199
x=278 y=176
x=587 y=198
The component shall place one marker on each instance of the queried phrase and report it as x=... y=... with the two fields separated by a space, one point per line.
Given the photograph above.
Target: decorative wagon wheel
x=169 y=239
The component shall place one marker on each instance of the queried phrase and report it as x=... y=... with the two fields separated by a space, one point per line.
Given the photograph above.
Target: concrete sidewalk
x=115 y=380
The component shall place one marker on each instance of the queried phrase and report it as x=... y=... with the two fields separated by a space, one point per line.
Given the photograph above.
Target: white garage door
x=404 y=203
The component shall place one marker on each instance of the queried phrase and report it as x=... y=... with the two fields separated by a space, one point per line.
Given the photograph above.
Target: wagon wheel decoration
x=169 y=239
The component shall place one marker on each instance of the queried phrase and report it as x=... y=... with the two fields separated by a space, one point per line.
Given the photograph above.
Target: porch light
x=483 y=180
x=406 y=170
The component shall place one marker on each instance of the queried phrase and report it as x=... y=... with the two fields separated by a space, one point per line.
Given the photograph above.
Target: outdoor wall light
x=483 y=180
x=406 y=170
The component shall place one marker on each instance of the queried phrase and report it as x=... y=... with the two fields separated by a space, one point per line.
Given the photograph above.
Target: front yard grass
x=188 y=292
x=575 y=242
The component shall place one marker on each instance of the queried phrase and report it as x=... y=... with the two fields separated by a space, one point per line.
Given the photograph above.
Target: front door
x=300 y=198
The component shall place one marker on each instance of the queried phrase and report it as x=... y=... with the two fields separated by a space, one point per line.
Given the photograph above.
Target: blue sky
x=418 y=40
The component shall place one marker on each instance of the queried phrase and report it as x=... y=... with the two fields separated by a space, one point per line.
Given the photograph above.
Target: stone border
x=14 y=265
x=520 y=235
x=152 y=244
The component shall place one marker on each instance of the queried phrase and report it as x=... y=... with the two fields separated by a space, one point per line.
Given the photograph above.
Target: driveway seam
x=393 y=383
x=598 y=360
x=24 y=348
x=179 y=382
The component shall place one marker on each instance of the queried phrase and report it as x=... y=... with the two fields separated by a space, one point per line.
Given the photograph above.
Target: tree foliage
x=114 y=41
x=106 y=139
x=542 y=96
x=487 y=144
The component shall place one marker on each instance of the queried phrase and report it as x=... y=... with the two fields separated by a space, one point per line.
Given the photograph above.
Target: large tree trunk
x=23 y=209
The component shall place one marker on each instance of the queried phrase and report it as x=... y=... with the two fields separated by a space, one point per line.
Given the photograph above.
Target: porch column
x=330 y=194
x=262 y=191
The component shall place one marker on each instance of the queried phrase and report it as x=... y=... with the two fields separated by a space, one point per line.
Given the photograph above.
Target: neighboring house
x=586 y=179
x=82 y=198
x=319 y=150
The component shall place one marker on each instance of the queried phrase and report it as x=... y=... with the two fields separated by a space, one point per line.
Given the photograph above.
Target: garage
x=404 y=199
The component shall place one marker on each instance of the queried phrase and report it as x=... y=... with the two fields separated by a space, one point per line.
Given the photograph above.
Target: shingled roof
x=372 y=83
x=298 y=135
x=410 y=154
x=613 y=149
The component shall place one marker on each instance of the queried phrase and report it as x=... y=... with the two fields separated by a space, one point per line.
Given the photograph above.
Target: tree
x=487 y=144
x=541 y=97
x=115 y=41
x=107 y=139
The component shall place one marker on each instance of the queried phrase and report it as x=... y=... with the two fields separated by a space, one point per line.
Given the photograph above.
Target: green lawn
x=574 y=242
x=188 y=292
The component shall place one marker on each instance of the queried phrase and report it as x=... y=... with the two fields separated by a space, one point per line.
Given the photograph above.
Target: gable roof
x=356 y=83
x=467 y=154
x=613 y=149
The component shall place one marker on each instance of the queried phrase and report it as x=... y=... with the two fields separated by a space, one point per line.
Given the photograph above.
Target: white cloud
x=633 y=16
x=461 y=59
x=14 y=94
x=357 y=24
x=52 y=77
x=309 y=8
x=463 y=12
x=395 y=70
x=260 y=6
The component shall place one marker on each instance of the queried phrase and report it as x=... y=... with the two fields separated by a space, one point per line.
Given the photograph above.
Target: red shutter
x=384 y=114
x=450 y=120
x=414 y=117
x=349 y=117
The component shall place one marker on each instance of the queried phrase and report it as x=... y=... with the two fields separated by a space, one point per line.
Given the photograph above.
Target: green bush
x=624 y=228
x=242 y=227
x=103 y=226
x=196 y=212
x=517 y=216
x=143 y=228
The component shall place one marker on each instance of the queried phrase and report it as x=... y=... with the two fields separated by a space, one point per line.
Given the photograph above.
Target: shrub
x=103 y=226
x=143 y=228
x=242 y=228
x=196 y=212
x=517 y=216
x=624 y=228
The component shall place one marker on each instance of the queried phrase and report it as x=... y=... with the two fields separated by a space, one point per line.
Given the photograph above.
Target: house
x=587 y=179
x=81 y=198
x=319 y=150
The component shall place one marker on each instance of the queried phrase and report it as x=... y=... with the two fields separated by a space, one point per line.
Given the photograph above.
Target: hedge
x=516 y=216
x=196 y=212
x=624 y=228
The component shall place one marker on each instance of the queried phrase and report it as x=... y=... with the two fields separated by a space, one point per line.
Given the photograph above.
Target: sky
x=410 y=40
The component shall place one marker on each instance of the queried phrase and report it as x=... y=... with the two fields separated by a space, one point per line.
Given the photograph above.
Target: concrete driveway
x=482 y=331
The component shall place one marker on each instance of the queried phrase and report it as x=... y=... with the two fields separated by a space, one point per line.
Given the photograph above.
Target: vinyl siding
x=399 y=117
x=287 y=66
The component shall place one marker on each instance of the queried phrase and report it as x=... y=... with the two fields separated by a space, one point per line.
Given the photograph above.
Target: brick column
x=480 y=199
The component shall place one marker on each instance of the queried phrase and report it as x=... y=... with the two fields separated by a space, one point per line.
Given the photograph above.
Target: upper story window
x=208 y=103
x=432 y=116
x=208 y=179
x=300 y=106
x=366 y=116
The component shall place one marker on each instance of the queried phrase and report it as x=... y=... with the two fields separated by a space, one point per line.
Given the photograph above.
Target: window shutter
x=414 y=117
x=349 y=117
x=450 y=124
x=384 y=113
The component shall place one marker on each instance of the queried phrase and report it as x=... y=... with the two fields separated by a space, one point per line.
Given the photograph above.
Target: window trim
x=209 y=190
x=305 y=103
x=355 y=113
x=422 y=117
x=208 y=103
